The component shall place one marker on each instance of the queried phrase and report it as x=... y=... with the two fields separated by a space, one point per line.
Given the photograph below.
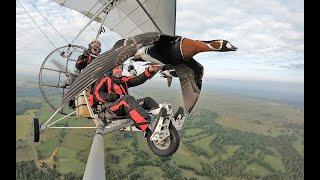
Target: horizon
x=205 y=78
x=291 y=93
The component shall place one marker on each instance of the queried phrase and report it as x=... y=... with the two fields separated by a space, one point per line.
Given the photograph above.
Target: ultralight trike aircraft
x=148 y=31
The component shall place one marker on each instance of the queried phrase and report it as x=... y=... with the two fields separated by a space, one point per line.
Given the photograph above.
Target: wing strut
x=144 y=9
x=97 y=14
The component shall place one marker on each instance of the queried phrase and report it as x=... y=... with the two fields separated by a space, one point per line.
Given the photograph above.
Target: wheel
x=36 y=130
x=170 y=145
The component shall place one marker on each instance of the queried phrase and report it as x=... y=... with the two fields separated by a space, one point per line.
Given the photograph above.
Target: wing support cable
x=48 y=22
x=37 y=25
x=144 y=9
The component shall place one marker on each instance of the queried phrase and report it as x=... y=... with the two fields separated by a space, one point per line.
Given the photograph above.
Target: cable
x=48 y=22
x=154 y=15
x=37 y=25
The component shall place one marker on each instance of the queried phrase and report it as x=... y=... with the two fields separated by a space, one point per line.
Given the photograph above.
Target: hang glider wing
x=129 y=17
x=107 y=61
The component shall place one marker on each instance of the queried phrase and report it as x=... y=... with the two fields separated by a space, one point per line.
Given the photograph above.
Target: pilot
x=84 y=59
x=88 y=55
x=113 y=90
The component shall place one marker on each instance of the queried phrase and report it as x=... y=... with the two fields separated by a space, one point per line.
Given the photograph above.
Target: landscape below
x=227 y=136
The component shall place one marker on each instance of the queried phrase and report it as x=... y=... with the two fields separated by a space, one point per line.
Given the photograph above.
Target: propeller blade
x=62 y=67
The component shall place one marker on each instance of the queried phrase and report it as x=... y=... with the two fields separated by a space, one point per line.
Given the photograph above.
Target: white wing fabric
x=127 y=17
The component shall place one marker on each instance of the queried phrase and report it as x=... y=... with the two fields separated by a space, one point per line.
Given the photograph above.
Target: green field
x=204 y=143
x=192 y=131
x=257 y=170
x=67 y=161
x=190 y=174
x=23 y=152
x=232 y=138
x=153 y=172
x=49 y=134
x=23 y=136
x=24 y=124
x=186 y=157
x=80 y=122
x=275 y=162
x=299 y=146
x=125 y=158
x=230 y=150
x=77 y=141
x=252 y=115
x=46 y=148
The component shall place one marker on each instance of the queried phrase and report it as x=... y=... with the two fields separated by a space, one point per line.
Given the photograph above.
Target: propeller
x=71 y=76
x=64 y=69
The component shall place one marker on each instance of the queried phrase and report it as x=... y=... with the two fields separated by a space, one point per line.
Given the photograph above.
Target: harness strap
x=109 y=81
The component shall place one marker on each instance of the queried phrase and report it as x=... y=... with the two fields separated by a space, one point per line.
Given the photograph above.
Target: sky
x=269 y=35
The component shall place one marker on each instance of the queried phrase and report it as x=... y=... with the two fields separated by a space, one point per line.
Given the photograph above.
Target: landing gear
x=167 y=146
x=164 y=141
x=36 y=130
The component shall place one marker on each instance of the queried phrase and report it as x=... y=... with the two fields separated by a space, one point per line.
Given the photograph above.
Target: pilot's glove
x=86 y=53
x=114 y=97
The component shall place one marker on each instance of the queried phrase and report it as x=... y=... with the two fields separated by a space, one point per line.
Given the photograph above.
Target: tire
x=36 y=130
x=173 y=147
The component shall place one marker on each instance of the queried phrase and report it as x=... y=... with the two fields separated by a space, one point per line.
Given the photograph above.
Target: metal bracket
x=178 y=123
x=161 y=132
x=117 y=127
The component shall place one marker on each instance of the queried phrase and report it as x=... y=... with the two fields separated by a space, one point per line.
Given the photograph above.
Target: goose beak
x=231 y=47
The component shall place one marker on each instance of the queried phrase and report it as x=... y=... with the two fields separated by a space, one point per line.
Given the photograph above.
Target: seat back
x=81 y=107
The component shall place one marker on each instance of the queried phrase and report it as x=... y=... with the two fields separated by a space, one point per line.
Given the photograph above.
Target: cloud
x=269 y=33
x=292 y=66
x=32 y=46
x=262 y=30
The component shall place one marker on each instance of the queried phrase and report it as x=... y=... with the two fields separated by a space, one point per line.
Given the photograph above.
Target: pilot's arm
x=81 y=62
x=143 y=77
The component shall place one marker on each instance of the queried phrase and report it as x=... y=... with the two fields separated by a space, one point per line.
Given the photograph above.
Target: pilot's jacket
x=114 y=91
x=83 y=60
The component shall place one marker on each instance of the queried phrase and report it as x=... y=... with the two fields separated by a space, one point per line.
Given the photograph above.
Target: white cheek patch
x=228 y=46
